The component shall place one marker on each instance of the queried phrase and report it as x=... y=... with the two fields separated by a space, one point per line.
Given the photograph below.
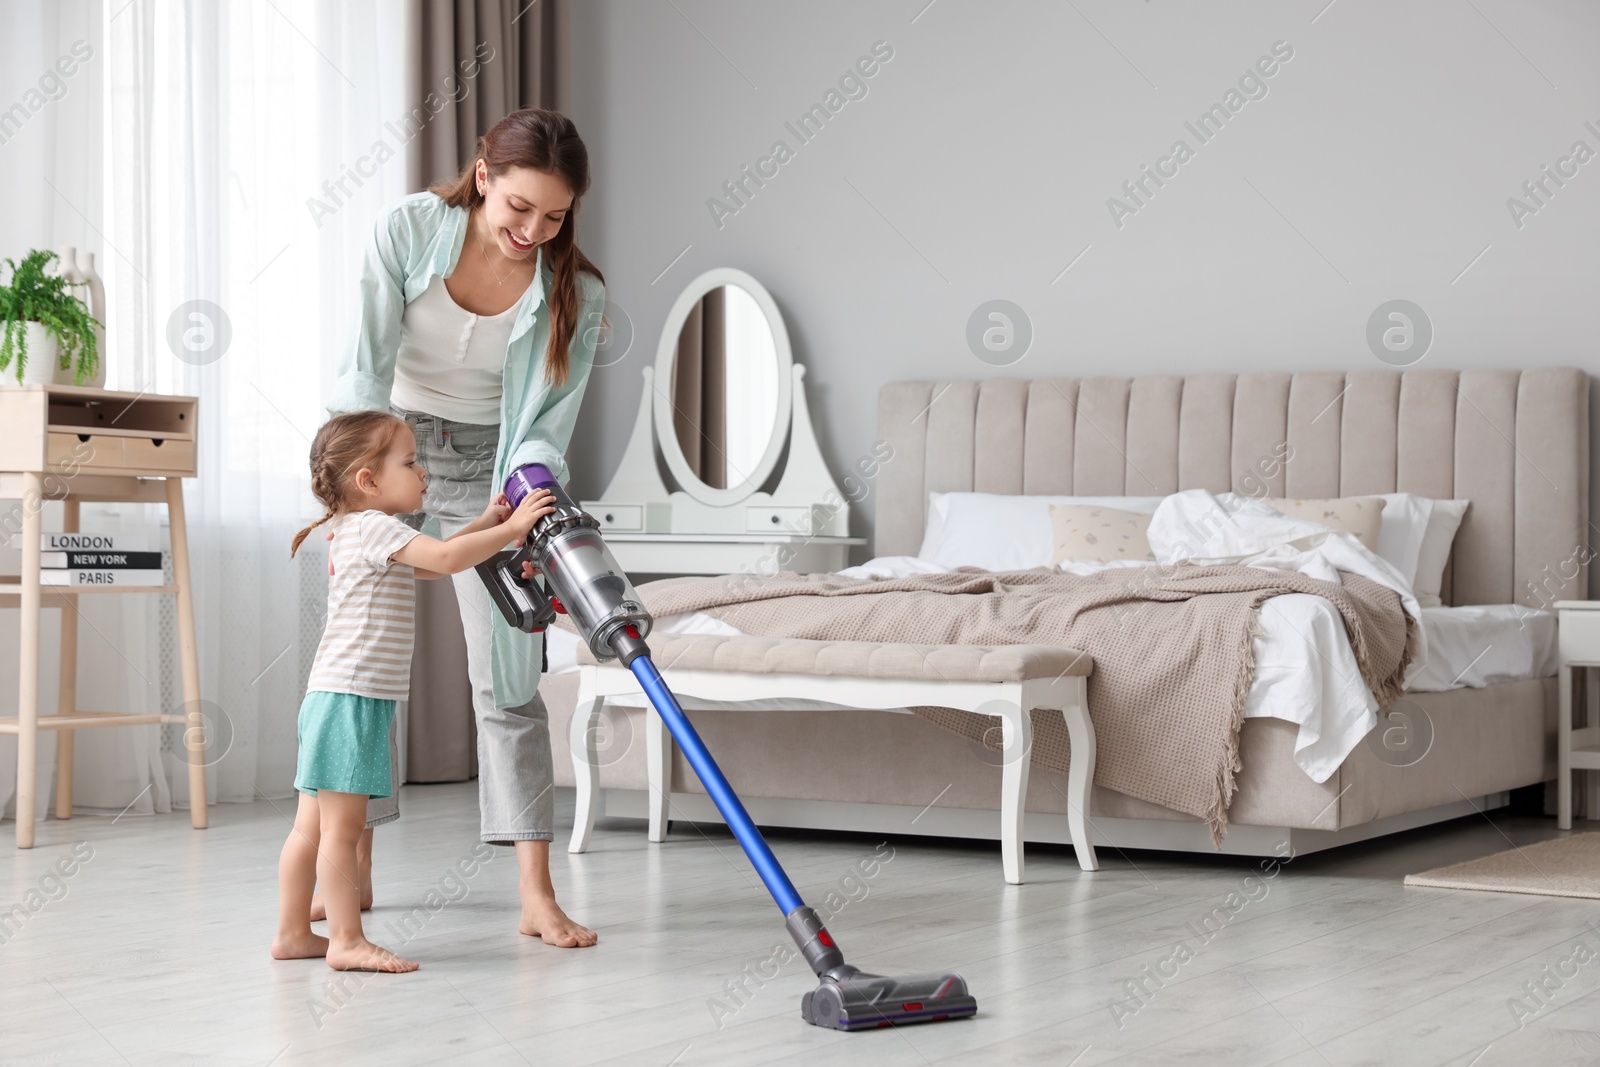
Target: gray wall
x=1378 y=165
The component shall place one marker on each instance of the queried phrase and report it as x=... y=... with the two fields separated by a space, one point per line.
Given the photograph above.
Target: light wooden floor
x=154 y=952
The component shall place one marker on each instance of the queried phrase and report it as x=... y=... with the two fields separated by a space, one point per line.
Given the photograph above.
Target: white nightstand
x=1579 y=749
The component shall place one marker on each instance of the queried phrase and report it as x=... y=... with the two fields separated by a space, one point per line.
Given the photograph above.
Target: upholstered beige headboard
x=1515 y=443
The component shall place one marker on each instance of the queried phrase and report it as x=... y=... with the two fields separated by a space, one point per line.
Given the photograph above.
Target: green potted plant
x=44 y=326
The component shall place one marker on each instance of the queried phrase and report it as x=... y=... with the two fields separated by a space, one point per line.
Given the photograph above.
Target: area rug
x=1560 y=867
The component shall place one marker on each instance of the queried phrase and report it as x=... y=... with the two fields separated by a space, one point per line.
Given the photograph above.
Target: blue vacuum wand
x=584 y=581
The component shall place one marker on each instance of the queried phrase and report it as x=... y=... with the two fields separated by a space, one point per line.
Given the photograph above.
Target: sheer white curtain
x=242 y=179
x=50 y=195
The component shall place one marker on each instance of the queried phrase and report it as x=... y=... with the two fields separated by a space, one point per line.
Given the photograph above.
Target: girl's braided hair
x=346 y=443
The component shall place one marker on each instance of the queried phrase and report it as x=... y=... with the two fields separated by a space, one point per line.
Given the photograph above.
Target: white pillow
x=1003 y=533
x=1416 y=537
x=1443 y=523
x=1405 y=523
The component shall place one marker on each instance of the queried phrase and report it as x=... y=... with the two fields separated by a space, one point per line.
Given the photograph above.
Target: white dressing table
x=718 y=407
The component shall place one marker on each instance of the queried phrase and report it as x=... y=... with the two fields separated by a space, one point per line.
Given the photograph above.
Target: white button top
x=450 y=361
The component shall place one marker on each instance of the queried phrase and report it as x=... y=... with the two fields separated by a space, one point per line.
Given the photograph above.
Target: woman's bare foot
x=303 y=946
x=543 y=918
x=365 y=956
x=319 y=910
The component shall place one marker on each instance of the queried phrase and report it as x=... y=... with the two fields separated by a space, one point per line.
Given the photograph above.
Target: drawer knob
x=83 y=437
x=609 y=517
x=774 y=518
x=158 y=441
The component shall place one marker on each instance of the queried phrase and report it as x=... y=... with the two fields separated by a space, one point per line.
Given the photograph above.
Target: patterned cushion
x=1088 y=531
x=1360 y=515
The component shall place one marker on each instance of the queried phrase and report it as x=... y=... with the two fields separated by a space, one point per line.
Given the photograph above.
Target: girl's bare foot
x=300 y=946
x=543 y=918
x=365 y=956
x=319 y=911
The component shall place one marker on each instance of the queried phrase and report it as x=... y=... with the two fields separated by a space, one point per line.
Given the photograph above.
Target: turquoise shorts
x=344 y=744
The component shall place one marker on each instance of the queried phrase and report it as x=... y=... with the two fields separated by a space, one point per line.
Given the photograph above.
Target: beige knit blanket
x=1173 y=661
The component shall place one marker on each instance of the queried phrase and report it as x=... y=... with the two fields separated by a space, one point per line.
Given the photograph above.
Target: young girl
x=364 y=469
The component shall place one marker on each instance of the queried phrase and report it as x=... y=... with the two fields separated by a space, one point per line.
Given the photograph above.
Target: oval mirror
x=723 y=387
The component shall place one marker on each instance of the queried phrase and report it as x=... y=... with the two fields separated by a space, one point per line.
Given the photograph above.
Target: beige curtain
x=698 y=389
x=521 y=50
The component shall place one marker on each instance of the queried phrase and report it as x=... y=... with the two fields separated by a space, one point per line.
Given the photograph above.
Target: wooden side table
x=76 y=444
x=1578 y=749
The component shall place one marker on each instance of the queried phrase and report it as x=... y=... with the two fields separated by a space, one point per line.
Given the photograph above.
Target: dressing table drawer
x=624 y=518
x=629 y=518
x=777 y=519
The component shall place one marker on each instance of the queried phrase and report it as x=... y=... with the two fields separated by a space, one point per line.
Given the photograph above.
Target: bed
x=1513 y=443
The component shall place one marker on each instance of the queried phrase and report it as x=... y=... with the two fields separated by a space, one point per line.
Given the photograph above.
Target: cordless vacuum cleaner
x=585 y=583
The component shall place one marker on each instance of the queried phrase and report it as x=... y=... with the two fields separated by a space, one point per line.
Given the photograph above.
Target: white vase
x=97 y=308
x=43 y=352
x=66 y=264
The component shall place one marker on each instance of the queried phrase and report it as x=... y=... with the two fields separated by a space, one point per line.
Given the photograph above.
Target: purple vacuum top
x=526 y=479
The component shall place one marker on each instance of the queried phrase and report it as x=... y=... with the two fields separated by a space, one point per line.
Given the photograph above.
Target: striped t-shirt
x=367 y=638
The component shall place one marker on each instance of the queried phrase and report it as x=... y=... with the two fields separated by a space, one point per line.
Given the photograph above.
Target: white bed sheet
x=1306 y=672
x=1486 y=644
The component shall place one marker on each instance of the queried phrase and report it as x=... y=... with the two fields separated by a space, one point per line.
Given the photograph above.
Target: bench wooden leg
x=585 y=759
x=658 y=755
x=1080 y=775
x=1017 y=747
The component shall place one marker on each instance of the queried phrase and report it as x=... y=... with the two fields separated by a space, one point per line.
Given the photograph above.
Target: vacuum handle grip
x=520 y=600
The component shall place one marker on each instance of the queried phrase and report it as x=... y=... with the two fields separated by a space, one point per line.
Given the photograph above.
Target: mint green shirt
x=422 y=236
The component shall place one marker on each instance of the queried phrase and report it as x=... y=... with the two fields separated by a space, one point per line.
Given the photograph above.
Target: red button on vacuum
x=822 y=935
x=555 y=602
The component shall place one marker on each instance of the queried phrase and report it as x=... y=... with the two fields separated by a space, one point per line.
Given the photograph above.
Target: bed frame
x=1515 y=443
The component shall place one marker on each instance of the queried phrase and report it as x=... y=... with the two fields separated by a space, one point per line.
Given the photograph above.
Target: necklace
x=484 y=248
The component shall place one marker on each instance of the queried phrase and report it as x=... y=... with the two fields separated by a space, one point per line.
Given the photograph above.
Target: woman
x=477 y=316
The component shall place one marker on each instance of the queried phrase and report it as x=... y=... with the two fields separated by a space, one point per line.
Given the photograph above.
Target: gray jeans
x=515 y=775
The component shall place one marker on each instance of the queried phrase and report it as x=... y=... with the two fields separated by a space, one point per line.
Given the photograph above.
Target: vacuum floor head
x=849 y=999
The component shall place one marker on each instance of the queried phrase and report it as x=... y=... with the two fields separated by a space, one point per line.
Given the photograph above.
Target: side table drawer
x=88 y=451
x=1580 y=636
x=155 y=453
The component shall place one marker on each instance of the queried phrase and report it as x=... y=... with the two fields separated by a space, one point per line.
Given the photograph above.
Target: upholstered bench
x=1003 y=680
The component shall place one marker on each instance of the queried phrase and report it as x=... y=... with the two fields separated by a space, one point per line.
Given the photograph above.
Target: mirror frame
x=666 y=352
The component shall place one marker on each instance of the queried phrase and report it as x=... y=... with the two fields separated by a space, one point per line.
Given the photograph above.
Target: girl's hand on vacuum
x=535 y=506
x=498 y=511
